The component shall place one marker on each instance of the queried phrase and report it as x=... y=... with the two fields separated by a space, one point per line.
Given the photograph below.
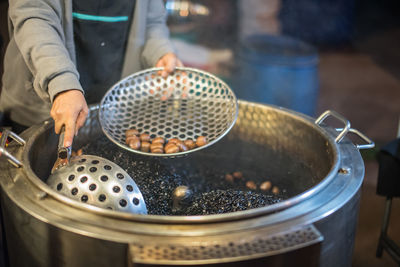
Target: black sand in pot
x=157 y=179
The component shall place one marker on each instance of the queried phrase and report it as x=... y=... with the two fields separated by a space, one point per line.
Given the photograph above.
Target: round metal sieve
x=99 y=182
x=187 y=104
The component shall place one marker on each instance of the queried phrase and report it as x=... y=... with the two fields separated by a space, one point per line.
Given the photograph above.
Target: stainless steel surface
x=336 y=115
x=187 y=104
x=343 y=131
x=99 y=182
x=48 y=229
x=369 y=143
x=224 y=250
x=278 y=130
x=3 y=150
x=63 y=153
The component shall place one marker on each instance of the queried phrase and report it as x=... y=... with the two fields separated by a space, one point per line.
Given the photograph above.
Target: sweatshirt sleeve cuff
x=63 y=82
x=159 y=54
x=153 y=51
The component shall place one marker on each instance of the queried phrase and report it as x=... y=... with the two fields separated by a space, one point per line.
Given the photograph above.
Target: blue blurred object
x=322 y=22
x=278 y=70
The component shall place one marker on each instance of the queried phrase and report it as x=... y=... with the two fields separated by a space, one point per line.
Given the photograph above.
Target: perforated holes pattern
x=97 y=181
x=187 y=104
x=245 y=247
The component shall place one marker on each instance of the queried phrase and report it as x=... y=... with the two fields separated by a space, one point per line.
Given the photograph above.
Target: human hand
x=169 y=61
x=69 y=109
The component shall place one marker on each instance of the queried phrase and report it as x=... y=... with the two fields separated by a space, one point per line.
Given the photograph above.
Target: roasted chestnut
x=156 y=148
x=156 y=145
x=131 y=132
x=237 y=175
x=129 y=138
x=182 y=197
x=173 y=141
x=157 y=151
x=275 y=190
x=201 y=141
x=265 y=186
x=171 y=148
x=229 y=178
x=144 y=137
x=190 y=144
x=145 y=147
x=134 y=142
x=251 y=185
x=159 y=140
x=182 y=147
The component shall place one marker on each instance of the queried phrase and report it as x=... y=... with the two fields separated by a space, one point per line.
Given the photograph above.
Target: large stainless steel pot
x=311 y=228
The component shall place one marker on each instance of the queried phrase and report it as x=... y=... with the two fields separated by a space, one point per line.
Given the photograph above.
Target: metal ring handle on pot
x=336 y=115
x=5 y=134
x=369 y=143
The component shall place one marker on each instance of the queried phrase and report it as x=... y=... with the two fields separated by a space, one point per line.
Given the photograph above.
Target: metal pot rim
x=194 y=219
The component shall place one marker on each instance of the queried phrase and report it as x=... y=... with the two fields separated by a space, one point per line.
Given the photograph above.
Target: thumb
x=69 y=133
x=160 y=64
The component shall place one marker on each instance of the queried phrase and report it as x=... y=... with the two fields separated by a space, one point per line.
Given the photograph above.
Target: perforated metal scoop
x=99 y=182
x=187 y=104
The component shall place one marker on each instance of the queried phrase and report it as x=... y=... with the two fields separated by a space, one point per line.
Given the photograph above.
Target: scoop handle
x=63 y=152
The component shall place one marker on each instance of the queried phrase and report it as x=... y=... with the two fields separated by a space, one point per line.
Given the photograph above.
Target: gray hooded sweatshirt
x=40 y=59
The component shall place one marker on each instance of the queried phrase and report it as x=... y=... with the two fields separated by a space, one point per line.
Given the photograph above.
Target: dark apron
x=101 y=29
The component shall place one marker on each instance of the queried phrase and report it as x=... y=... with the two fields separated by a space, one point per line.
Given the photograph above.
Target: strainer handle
x=3 y=143
x=63 y=152
x=337 y=116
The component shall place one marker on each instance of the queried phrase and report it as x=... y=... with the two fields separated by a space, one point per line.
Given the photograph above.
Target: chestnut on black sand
x=157 y=179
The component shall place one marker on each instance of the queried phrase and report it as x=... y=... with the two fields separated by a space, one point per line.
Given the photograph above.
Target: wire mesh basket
x=187 y=104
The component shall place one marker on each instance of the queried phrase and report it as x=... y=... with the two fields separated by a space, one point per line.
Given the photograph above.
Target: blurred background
x=308 y=56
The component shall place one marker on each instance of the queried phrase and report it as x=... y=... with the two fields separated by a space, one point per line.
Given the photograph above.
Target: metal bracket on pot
x=3 y=141
x=343 y=131
x=369 y=143
x=336 y=115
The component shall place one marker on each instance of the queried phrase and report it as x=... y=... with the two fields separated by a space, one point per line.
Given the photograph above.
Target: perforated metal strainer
x=187 y=104
x=99 y=182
